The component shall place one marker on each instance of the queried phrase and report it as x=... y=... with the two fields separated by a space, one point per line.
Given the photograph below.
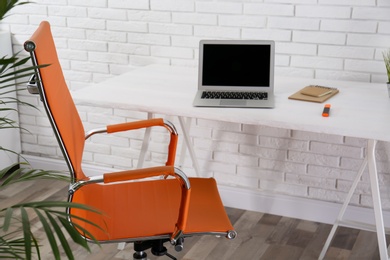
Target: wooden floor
x=260 y=236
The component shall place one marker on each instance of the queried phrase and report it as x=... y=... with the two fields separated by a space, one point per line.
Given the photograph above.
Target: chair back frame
x=30 y=46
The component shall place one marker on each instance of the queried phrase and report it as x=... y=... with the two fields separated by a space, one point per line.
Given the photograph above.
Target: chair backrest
x=57 y=99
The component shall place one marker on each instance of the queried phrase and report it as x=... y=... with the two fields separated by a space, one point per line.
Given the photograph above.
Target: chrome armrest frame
x=77 y=185
x=183 y=177
x=171 y=127
x=95 y=131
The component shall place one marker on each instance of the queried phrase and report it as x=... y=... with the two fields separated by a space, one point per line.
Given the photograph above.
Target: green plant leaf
x=7 y=5
x=19 y=62
x=22 y=70
x=26 y=232
x=75 y=235
x=83 y=230
x=49 y=234
x=7 y=219
x=4 y=171
x=61 y=236
x=5 y=149
x=50 y=225
x=11 y=248
x=27 y=174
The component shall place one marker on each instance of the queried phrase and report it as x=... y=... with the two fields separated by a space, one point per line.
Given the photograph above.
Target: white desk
x=360 y=110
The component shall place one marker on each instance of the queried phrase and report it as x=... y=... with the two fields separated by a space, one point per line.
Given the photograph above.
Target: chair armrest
x=134 y=174
x=140 y=174
x=135 y=125
x=144 y=124
x=158 y=171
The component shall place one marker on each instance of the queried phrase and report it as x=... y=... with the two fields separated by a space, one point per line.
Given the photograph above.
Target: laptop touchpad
x=227 y=102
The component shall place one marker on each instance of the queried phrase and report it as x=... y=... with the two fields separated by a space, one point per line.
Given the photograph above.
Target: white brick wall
x=328 y=39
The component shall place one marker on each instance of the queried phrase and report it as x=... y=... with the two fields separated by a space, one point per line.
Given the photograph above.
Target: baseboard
x=294 y=207
x=266 y=202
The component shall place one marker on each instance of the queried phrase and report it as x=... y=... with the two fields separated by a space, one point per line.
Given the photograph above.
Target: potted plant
x=17 y=240
x=386 y=58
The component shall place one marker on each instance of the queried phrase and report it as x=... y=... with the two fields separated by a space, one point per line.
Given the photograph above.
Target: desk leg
x=183 y=151
x=185 y=126
x=145 y=144
x=380 y=227
x=343 y=209
x=189 y=144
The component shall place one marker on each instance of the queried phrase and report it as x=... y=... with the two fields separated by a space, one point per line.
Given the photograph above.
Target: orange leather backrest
x=58 y=97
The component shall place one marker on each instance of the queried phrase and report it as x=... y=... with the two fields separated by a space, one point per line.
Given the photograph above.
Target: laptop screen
x=236 y=64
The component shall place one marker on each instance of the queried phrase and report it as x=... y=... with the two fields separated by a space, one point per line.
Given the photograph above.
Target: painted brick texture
x=325 y=39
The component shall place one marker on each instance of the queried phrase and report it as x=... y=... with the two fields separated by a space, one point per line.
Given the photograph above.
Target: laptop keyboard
x=234 y=95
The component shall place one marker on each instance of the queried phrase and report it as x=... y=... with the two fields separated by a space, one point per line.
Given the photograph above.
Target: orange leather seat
x=154 y=206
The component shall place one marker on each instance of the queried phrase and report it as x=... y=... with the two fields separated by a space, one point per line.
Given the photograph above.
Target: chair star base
x=156 y=247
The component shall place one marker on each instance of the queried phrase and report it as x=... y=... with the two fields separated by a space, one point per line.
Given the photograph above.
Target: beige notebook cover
x=314 y=93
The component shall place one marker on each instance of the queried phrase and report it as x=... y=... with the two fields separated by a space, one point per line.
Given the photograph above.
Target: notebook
x=314 y=93
x=236 y=73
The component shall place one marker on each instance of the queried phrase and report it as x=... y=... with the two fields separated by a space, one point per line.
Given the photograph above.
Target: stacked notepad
x=314 y=93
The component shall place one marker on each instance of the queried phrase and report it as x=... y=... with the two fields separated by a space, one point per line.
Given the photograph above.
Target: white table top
x=359 y=110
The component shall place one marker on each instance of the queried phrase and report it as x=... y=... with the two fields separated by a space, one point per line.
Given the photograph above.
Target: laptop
x=236 y=73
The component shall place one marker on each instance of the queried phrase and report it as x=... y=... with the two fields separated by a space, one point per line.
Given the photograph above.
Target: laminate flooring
x=260 y=236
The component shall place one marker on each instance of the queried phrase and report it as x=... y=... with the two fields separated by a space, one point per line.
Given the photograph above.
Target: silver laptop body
x=236 y=73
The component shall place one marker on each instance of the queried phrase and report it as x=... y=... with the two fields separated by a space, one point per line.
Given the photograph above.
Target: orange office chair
x=145 y=212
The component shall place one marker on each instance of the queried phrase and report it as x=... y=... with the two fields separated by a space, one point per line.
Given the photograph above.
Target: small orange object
x=326 y=111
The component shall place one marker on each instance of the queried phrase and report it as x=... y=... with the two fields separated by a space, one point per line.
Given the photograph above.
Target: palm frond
x=18 y=74
x=5 y=122
x=11 y=248
x=49 y=233
x=27 y=234
x=7 y=219
x=52 y=219
x=61 y=236
x=7 y=5
x=75 y=237
x=28 y=174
